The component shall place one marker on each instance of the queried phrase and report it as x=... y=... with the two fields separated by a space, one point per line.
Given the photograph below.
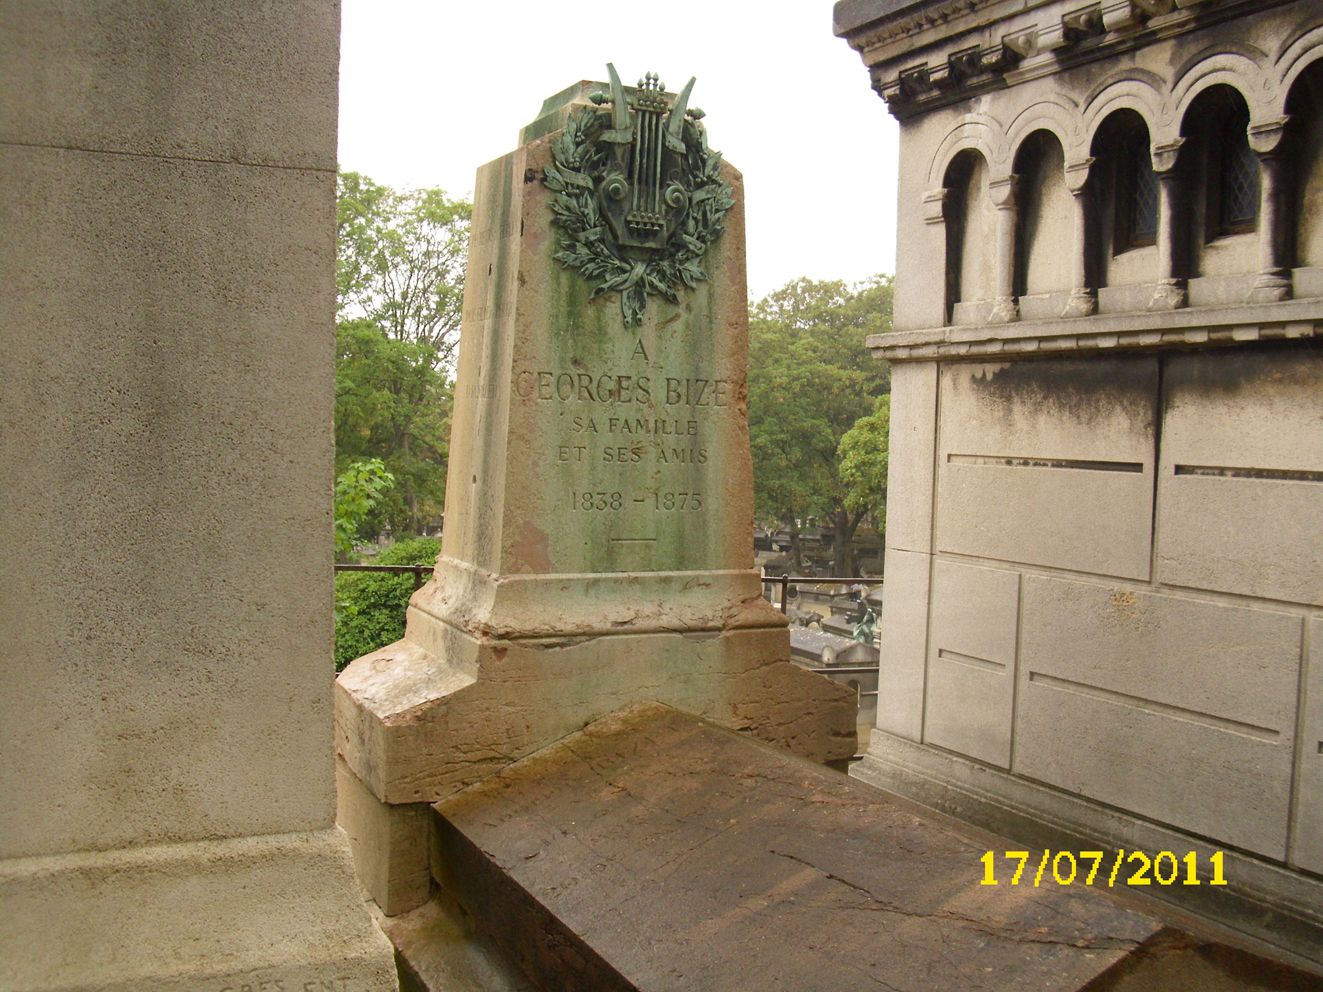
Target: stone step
x=656 y=851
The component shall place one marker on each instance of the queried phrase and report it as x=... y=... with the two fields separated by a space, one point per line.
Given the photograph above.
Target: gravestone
x=597 y=547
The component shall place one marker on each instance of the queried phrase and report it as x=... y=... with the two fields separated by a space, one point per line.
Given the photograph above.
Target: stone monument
x=597 y=549
x=167 y=197
x=1104 y=601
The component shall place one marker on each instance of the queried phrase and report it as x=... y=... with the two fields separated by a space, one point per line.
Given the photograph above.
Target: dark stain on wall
x=1082 y=391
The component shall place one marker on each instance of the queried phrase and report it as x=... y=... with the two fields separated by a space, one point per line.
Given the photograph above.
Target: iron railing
x=785 y=580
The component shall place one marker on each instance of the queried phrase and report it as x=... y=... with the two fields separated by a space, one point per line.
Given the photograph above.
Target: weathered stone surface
x=388 y=842
x=1181 y=710
x=910 y=456
x=1049 y=463
x=656 y=851
x=904 y=644
x=209 y=915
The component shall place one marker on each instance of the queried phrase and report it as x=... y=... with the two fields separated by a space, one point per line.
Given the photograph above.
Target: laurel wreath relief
x=588 y=244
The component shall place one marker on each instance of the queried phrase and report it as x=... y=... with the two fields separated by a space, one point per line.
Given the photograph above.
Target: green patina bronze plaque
x=638 y=194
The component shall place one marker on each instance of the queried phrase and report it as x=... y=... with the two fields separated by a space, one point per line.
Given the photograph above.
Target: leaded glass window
x=1239 y=178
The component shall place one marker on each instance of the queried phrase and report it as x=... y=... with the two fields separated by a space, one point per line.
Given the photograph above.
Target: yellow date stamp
x=1122 y=868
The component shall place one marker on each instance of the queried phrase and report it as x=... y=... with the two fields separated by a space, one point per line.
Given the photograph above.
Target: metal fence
x=417 y=571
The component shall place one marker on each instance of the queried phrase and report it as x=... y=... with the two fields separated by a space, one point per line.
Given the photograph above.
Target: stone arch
x=1060 y=117
x=970 y=223
x=1045 y=215
x=1302 y=238
x=1295 y=57
x=975 y=131
x=1222 y=180
x=1239 y=67
x=1142 y=92
x=1124 y=191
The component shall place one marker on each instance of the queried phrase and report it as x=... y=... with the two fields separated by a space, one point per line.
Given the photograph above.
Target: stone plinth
x=597 y=547
x=167 y=196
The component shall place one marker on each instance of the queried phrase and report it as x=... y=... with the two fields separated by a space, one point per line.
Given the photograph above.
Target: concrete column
x=1274 y=279
x=1169 y=293
x=1083 y=297
x=1005 y=308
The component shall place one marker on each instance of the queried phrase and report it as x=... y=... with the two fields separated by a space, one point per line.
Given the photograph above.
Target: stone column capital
x=1165 y=155
x=1003 y=191
x=934 y=205
x=1265 y=136
x=1077 y=175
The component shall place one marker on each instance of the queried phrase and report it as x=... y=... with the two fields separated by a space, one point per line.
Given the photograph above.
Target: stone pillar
x=1169 y=292
x=1083 y=297
x=167 y=197
x=599 y=513
x=1274 y=279
x=1005 y=308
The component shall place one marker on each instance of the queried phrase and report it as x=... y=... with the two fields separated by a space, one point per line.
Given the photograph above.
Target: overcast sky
x=431 y=90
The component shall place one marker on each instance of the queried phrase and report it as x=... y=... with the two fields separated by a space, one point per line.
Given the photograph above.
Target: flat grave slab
x=654 y=850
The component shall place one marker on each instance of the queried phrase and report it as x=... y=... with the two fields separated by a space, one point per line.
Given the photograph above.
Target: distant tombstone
x=599 y=499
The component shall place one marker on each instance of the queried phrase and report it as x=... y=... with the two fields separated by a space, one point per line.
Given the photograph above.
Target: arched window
x=1045 y=238
x=1222 y=174
x=970 y=220
x=1305 y=109
x=1124 y=191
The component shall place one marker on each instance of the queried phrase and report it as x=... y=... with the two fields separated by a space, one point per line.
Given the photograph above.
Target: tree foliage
x=400 y=262
x=400 y=287
x=358 y=489
x=369 y=606
x=863 y=457
x=811 y=379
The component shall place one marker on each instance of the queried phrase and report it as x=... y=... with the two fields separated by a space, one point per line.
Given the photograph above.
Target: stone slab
x=224 y=81
x=1307 y=830
x=167 y=373
x=656 y=851
x=971 y=660
x=1240 y=493
x=1181 y=710
x=1049 y=463
x=389 y=843
x=260 y=914
x=902 y=665
x=910 y=452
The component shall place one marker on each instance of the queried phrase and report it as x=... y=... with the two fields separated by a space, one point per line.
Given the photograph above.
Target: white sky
x=431 y=90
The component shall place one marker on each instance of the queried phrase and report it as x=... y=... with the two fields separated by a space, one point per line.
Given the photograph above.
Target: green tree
x=811 y=378
x=370 y=606
x=358 y=489
x=400 y=287
x=862 y=463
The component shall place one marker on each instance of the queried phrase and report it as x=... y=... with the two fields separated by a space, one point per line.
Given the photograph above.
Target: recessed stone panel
x=1049 y=463
x=1181 y=710
x=971 y=660
x=1240 y=494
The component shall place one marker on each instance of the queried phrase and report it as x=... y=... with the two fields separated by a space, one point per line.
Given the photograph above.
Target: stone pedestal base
x=462 y=697
x=251 y=914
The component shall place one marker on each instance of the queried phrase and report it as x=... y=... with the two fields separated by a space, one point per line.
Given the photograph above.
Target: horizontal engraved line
x=627 y=540
x=1233 y=472
x=1154 y=707
x=1019 y=462
x=970 y=661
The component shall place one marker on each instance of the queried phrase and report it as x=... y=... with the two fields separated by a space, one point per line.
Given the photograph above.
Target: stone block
x=167 y=373
x=911 y=447
x=1307 y=828
x=971 y=660
x=389 y=843
x=251 y=912
x=1049 y=463
x=226 y=81
x=904 y=644
x=1179 y=709
x=1240 y=493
